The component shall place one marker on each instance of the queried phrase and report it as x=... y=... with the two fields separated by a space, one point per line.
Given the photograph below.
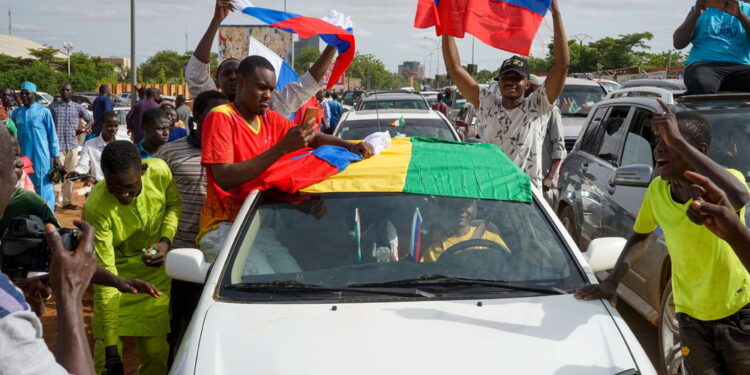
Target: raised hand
x=665 y=125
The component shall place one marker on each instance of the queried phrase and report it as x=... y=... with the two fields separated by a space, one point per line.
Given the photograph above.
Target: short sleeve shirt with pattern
x=519 y=131
x=226 y=138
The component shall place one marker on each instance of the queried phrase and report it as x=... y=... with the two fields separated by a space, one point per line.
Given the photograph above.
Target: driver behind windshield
x=459 y=215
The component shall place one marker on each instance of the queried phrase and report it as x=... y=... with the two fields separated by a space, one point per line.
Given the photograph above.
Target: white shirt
x=519 y=131
x=285 y=101
x=89 y=161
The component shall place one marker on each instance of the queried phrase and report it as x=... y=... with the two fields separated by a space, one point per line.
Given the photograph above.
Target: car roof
x=682 y=103
x=392 y=113
x=672 y=84
x=400 y=95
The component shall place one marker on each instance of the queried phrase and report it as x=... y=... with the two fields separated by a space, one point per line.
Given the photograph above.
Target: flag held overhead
x=509 y=25
x=336 y=30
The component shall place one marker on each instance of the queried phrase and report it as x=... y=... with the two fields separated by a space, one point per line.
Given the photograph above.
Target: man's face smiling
x=669 y=163
x=513 y=85
x=256 y=90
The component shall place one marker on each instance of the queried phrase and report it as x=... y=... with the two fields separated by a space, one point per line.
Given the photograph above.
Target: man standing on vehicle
x=240 y=140
x=710 y=285
x=720 y=57
x=66 y=113
x=515 y=123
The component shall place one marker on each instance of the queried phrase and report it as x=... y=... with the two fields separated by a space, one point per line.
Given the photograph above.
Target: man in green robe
x=135 y=211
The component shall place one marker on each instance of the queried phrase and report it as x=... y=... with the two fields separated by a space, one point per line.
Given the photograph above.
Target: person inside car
x=463 y=228
x=710 y=285
x=720 y=57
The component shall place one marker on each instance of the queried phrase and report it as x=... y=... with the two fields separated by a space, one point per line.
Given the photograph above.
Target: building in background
x=122 y=62
x=17 y=47
x=413 y=68
x=301 y=44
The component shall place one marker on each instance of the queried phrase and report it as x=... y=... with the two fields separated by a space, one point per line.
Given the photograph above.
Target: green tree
x=372 y=71
x=48 y=56
x=93 y=67
x=164 y=67
x=306 y=58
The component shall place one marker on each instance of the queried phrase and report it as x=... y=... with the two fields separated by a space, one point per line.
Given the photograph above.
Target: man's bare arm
x=468 y=87
x=555 y=81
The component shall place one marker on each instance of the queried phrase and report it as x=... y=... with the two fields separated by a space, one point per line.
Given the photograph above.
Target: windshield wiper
x=443 y=280
x=291 y=286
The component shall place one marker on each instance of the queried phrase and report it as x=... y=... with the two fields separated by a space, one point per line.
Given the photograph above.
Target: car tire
x=568 y=221
x=669 y=336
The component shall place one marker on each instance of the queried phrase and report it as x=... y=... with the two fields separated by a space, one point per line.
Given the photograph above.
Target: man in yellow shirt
x=465 y=211
x=135 y=211
x=710 y=285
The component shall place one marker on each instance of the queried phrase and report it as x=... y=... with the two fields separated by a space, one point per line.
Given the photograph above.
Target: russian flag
x=334 y=30
x=416 y=235
x=284 y=73
x=509 y=25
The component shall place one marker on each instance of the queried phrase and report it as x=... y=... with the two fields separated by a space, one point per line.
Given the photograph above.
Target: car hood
x=572 y=126
x=536 y=335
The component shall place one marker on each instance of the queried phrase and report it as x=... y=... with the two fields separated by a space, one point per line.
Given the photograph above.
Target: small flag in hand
x=399 y=122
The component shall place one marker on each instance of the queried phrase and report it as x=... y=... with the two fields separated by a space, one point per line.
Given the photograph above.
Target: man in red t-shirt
x=240 y=140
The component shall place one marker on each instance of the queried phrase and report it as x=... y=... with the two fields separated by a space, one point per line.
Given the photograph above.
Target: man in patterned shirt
x=66 y=114
x=515 y=123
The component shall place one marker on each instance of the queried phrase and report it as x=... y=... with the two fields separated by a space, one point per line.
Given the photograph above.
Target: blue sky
x=382 y=27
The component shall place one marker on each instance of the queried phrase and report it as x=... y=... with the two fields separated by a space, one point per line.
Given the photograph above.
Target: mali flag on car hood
x=435 y=167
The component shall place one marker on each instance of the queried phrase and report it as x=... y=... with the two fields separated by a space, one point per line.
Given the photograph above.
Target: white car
x=416 y=123
x=326 y=282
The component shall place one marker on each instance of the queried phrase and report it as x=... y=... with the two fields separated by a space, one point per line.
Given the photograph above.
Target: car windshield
x=459 y=100
x=730 y=138
x=577 y=100
x=431 y=128
x=348 y=240
x=394 y=104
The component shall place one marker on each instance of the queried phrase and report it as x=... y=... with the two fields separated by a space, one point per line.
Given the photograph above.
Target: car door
x=624 y=202
x=602 y=144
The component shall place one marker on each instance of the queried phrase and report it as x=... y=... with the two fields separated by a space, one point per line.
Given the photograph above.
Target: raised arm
x=203 y=50
x=665 y=125
x=555 y=81
x=295 y=94
x=684 y=33
x=468 y=87
x=733 y=7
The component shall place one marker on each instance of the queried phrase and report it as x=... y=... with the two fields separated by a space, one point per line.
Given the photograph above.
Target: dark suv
x=606 y=175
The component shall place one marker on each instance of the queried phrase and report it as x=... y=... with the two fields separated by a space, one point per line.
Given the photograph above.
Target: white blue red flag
x=416 y=235
x=509 y=25
x=284 y=73
x=336 y=30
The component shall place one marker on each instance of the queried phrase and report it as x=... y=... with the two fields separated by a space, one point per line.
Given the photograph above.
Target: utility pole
x=473 y=39
x=133 y=68
x=669 y=63
x=68 y=47
x=10 y=23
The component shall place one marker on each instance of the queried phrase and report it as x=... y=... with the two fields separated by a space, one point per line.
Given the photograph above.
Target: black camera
x=24 y=246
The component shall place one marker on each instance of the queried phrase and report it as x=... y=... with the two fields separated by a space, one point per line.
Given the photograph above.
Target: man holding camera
x=22 y=349
x=135 y=211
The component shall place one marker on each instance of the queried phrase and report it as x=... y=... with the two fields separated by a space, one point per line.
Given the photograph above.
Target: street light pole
x=68 y=47
x=133 y=69
x=437 y=56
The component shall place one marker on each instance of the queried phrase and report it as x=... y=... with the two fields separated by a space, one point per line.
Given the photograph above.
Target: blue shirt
x=177 y=133
x=336 y=110
x=144 y=154
x=720 y=37
x=101 y=104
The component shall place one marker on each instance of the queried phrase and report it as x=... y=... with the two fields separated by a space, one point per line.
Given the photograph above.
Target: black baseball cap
x=516 y=64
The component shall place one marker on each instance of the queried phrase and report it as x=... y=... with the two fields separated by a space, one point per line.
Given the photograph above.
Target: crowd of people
x=181 y=177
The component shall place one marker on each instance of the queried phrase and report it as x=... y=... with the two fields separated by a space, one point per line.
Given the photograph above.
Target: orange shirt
x=226 y=138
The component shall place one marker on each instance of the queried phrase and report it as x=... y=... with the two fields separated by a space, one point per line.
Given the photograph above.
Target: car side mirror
x=636 y=175
x=187 y=265
x=602 y=253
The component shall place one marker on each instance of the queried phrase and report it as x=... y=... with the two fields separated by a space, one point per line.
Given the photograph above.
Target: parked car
x=416 y=123
x=392 y=100
x=669 y=84
x=349 y=298
x=351 y=97
x=80 y=99
x=467 y=123
x=608 y=85
x=603 y=181
x=457 y=100
x=578 y=97
x=430 y=96
x=43 y=98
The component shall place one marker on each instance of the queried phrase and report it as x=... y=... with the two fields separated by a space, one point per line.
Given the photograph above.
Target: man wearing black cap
x=515 y=123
